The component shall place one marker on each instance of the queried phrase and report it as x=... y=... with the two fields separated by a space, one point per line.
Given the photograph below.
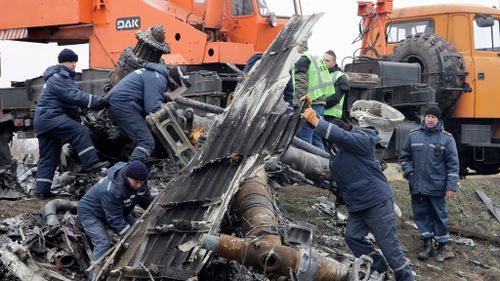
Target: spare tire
x=442 y=66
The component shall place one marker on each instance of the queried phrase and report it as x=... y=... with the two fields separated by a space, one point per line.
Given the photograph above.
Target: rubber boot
x=440 y=252
x=428 y=251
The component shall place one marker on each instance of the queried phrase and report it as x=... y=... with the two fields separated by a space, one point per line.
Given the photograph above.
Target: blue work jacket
x=355 y=168
x=431 y=155
x=60 y=99
x=112 y=199
x=141 y=91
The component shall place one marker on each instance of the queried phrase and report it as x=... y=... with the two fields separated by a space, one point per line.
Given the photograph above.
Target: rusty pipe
x=254 y=204
x=275 y=259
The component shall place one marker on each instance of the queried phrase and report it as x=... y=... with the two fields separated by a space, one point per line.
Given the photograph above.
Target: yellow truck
x=456 y=50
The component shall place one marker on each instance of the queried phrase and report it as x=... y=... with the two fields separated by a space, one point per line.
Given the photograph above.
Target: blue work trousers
x=307 y=134
x=380 y=220
x=97 y=231
x=137 y=130
x=431 y=217
x=49 y=145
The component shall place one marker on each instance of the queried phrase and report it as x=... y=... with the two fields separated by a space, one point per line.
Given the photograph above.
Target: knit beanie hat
x=136 y=170
x=434 y=110
x=67 y=55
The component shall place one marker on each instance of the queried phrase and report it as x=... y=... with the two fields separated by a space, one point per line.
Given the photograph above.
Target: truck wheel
x=442 y=66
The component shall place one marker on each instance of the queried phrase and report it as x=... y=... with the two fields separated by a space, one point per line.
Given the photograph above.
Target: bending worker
x=56 y=121
x=110 y=202
x=141 y=92
x=366 y=193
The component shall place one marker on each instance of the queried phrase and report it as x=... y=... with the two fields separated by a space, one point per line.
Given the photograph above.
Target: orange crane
x=198 y=31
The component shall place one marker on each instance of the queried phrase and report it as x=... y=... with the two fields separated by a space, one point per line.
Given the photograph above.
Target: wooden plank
x=487 y=201
x=469 y=233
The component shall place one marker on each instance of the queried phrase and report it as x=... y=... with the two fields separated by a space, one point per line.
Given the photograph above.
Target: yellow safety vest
x=319 y=80
x=336 y=110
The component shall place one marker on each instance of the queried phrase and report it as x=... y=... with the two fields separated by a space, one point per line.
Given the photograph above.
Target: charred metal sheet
x=299 y=234
x=253 y=128
x=9 y=185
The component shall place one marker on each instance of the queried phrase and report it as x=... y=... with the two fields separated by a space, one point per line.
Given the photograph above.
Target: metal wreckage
x=215 y=217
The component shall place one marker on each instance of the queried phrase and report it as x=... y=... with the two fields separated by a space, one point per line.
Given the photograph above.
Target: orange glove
x=310 y=116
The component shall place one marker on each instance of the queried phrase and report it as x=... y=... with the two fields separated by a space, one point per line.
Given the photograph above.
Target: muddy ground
x=480 y=262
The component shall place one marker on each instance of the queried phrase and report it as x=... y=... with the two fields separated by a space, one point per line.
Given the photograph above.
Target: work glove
x=103 y=104
x=311 y=117
x=309 y=114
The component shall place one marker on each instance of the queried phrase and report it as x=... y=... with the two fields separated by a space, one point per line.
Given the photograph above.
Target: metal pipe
x=265 y=252
x=65 y=258
x=254 y=204
x=275 y=260
x=313 y=166
x=49 y=212
x=197 y=104
x=309 y=147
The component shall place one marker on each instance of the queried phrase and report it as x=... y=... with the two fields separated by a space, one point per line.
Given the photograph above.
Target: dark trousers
x=380 y=220
x=307 y=132
x=431 y=217
x=137 y=130
x=49 y=145
x=97 y=231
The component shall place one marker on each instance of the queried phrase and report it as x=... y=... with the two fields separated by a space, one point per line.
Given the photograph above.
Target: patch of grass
x=297 y=201
x=465 y=209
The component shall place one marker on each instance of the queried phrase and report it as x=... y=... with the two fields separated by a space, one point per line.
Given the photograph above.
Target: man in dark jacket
x=56 y=121
x=335 y=102
x=109 y=203
x=141 y=92
x=429 y=161
x=366 y=193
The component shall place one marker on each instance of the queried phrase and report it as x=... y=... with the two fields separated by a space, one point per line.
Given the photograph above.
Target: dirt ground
x=480 y=262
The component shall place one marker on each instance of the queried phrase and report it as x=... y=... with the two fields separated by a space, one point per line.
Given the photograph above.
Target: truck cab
x=463 y=34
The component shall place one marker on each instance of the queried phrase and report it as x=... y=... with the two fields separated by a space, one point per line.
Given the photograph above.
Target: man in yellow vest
x=335 y=101
x=310 y=77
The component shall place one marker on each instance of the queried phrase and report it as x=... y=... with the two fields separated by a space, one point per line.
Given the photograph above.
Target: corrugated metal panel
x=251 y=130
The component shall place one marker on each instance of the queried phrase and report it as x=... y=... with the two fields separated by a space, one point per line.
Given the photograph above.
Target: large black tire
x=442 y=66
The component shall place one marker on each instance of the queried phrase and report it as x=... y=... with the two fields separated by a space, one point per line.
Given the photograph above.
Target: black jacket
x=341 y=88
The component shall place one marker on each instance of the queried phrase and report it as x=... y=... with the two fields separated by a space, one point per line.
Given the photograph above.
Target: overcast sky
x=336 y=30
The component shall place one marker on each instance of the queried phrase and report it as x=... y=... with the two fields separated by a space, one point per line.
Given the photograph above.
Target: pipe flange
x=308 y=264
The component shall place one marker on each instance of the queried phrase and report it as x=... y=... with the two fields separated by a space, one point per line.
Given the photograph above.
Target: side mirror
x=484 y=20
x=272 y=20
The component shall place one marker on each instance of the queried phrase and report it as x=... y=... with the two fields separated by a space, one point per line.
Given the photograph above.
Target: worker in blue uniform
x=430 y=163
x=110 y=202
x=365 y=191
x=138 y=94
x=56 y=121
